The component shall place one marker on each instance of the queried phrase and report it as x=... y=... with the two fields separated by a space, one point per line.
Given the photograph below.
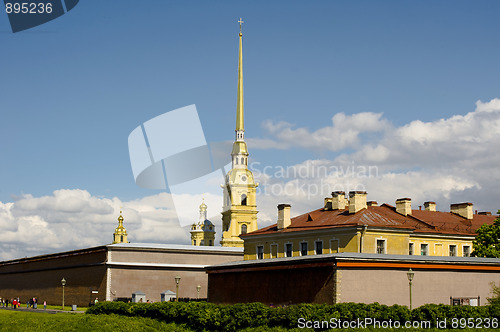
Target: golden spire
x=239 y=106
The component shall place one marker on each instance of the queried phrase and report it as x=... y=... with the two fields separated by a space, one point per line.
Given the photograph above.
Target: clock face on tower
x=244 y=178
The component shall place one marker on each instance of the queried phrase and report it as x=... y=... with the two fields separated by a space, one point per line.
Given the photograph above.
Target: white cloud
x=346 y=131
x=447 y=160
x=73 y=218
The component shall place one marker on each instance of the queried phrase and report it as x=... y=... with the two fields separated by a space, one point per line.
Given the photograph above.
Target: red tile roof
x=384 y=216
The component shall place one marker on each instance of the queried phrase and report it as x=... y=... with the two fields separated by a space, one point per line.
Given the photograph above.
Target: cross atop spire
x=240 y=22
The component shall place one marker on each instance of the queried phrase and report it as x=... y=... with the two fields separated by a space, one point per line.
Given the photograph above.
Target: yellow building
x=354 y=225
x=120 y=234
x=239 y=214
x=203 y=232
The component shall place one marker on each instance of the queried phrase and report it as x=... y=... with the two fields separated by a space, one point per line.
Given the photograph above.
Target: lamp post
x=410 y=275
x=177 y=280
x=198 y=292
x=63 y=283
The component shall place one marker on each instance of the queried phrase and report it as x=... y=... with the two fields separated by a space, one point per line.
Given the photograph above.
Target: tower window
x=194 y=242
x=242 y=161
x=210 y=243
x=121 y=238
x=236 y=161
x=243 y=229
x=243 y=199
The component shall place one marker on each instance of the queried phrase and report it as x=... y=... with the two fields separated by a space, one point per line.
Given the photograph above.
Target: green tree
x=495 y=290
x=487 y=242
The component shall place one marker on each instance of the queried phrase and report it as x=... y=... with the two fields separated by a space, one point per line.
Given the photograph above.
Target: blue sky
x=73 y=89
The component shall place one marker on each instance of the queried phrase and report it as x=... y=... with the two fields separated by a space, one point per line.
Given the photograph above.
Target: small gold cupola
x=120 y=234
x=203 y=232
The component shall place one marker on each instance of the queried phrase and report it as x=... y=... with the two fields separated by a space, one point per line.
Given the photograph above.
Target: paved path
x=48 y=311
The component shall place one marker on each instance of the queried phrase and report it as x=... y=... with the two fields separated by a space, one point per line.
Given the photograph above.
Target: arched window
x=243 y=199
x=242 y=161
x=243 y=229
x=121 y=238
x=236 y=161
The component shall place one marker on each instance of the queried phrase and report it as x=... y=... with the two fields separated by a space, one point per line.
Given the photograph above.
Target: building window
x=380 y=246
x=260 y=252
x=274 y=250
x=243 y=199
x=410 y=249
x=202 y=242
x=288 y=250
x=424 y=250
x=243 y=229
x=194 y=242
x=334 y=246
x=303 y=248
x=210 y=242
x=242 y=161
x=121 y=238
x=453 y=250
x=318 y=247
x=466 y=251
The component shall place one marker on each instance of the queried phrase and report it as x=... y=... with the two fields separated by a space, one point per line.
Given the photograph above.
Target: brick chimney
x=338 y=200
x=372 y=203
x=403 y=206
x=463 y=210
x=430 y=206
x=357 y=201
x=328 y=204
x=284 y=216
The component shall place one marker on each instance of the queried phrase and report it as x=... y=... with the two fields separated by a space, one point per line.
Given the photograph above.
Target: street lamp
x=410 y=275
x=198 y=291
x=177 y=279
x=63 y=283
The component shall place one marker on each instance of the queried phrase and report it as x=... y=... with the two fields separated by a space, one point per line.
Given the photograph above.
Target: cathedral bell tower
x=239 y=214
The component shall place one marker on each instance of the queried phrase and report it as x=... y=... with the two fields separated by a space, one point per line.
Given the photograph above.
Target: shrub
x=118 y=308
x=203 y=316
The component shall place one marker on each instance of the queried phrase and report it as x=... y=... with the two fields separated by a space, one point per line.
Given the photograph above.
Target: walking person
x=35 y=302
x=44 y=305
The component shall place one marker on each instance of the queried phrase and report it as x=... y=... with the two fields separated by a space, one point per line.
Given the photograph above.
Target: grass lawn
x=11 y=320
